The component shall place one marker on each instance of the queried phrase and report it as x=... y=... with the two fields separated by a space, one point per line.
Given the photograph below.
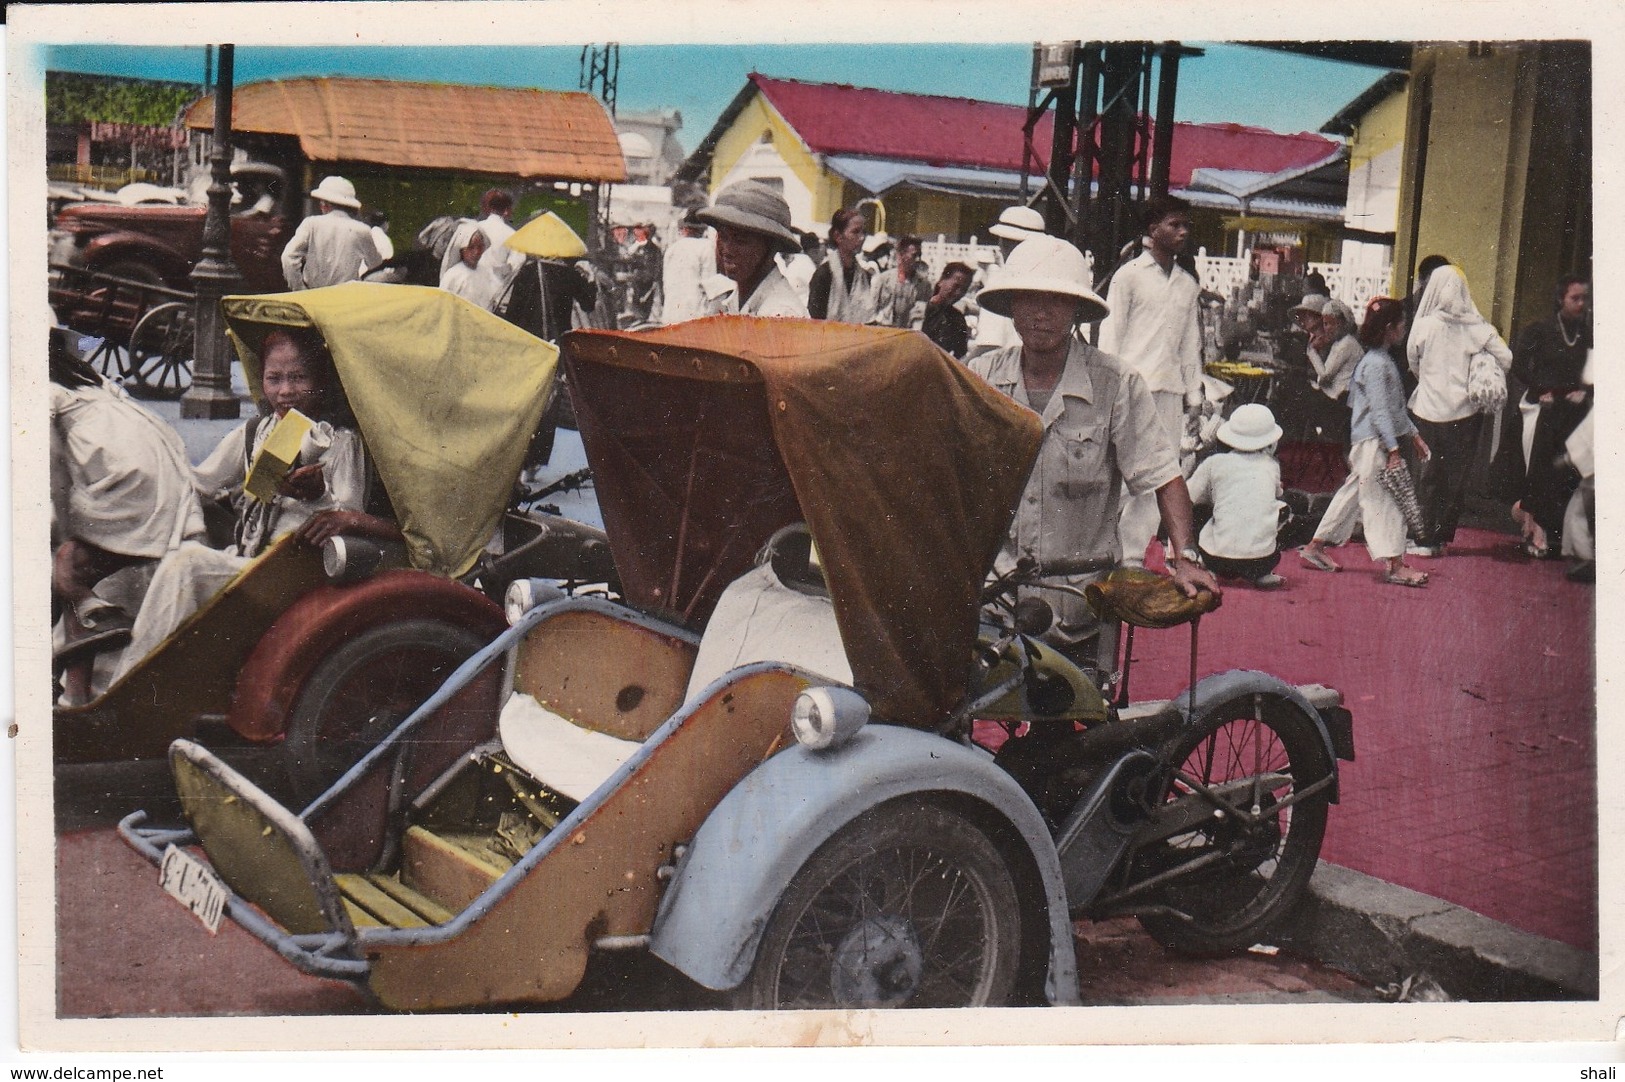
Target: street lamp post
x=215 y=275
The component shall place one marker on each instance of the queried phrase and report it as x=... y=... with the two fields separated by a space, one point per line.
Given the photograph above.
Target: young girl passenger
x=326 y=493
x=1244 y=487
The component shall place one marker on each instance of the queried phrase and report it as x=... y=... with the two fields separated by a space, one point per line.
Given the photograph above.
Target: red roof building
x=940 y=164
x=835 y=118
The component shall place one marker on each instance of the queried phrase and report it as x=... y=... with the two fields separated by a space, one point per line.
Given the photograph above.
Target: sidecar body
x=646 y=788
x=754 y=767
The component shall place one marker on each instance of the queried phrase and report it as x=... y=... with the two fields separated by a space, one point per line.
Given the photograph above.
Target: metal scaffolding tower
x=1107 y=155
x=600 y=70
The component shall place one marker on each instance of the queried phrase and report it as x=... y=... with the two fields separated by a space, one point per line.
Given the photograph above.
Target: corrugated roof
x=836 y=119
x=559 y=135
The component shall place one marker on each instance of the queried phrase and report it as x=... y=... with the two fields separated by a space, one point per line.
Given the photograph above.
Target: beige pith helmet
x=1044 y=264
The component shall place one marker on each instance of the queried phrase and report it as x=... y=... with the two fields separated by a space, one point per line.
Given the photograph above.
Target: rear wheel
x=909 y=906
x=359 y=693
x=1236 y=875
x=161 y=350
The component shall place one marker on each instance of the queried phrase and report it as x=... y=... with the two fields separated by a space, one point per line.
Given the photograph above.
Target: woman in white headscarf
x=462 y=271
x=1446 y=334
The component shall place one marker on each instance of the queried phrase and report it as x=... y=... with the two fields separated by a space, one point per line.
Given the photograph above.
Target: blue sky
x=1230 y=83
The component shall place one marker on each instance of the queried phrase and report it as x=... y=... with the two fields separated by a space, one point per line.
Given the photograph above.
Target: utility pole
x=215 y=275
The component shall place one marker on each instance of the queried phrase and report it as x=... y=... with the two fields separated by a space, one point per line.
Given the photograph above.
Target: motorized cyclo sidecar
x=760 y=767
x=446 y=397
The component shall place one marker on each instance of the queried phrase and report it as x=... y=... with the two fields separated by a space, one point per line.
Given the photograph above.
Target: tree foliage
x=74 y=98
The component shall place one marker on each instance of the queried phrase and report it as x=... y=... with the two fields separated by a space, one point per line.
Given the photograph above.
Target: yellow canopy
x=446 y=396
x=547 y=237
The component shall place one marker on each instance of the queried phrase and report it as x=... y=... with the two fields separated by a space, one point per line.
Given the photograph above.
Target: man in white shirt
x=1153 y=329
x=330 y=246
x=499 y=261
x=689 y=260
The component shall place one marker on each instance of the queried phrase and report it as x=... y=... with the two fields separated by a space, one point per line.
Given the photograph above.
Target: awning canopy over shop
x=881 y=175
x=539 y=134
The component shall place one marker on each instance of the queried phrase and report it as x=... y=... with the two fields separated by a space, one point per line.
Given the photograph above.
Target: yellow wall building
x=1497 y=174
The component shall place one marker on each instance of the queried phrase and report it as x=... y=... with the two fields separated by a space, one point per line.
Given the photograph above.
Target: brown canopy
x=520 y=132
x=706 y=437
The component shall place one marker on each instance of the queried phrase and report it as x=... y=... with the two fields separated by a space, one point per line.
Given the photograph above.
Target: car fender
x=318 y=622
x=1213 y=691
x=118 y=245
x=724 y=888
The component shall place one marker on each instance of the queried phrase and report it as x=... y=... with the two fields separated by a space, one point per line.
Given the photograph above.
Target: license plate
x=193 y=884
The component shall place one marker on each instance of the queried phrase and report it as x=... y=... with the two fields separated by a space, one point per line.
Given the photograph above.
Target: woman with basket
x=1460 y=364
x=1378 y=492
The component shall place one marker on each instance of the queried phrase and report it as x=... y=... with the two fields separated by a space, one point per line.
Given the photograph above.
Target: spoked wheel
x=1239 y=828
x=362 y=691
x=909 y=906
x=161 y=350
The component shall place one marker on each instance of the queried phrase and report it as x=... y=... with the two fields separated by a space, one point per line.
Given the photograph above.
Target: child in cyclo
x=1243 y=485
x=329 y=491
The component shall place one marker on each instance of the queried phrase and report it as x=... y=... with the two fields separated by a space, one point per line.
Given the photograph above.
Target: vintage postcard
x=796 y=517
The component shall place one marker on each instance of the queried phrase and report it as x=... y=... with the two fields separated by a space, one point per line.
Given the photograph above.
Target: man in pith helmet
x=752 y=222
x=1101 y=432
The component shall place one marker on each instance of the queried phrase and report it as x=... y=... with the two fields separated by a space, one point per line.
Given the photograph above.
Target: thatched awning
x=534 y=134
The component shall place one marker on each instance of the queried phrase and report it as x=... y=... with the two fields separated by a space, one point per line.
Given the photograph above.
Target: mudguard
x=1220 y=688
x=726 y=885
x=117 y=245
x=320 y=621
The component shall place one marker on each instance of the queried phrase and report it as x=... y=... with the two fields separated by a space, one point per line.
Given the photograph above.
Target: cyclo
x=759 y=766
x=324 y=651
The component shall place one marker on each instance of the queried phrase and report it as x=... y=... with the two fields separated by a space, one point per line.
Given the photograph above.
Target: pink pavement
x=1474 y=705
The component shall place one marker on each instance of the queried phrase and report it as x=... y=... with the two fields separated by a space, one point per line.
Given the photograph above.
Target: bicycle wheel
x=1233 y=874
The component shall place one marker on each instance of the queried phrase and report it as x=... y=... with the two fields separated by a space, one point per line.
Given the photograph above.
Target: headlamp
x=827 y=717
x=523 y=595
x=350 y=559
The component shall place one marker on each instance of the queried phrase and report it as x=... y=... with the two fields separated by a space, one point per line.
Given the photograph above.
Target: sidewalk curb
x=1381 y=933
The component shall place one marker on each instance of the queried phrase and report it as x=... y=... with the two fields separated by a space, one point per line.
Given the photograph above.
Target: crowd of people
x=1412 y=388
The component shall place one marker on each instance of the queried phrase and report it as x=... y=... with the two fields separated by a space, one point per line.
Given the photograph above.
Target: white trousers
x=1362 y=499
x=185 y=580
x=1137 y=522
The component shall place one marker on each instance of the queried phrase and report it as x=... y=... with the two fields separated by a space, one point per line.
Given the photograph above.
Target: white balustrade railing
x=936 y=254
x=1353 y=288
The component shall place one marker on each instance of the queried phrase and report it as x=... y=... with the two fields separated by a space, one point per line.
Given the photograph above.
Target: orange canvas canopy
x=706 y=437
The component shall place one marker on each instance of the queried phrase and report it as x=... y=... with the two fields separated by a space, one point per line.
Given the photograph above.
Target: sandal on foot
x=1318 y=560
x=1391 y=578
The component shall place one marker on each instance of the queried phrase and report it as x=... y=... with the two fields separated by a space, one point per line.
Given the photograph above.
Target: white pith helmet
x=1044 y=265
x=337 y=191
